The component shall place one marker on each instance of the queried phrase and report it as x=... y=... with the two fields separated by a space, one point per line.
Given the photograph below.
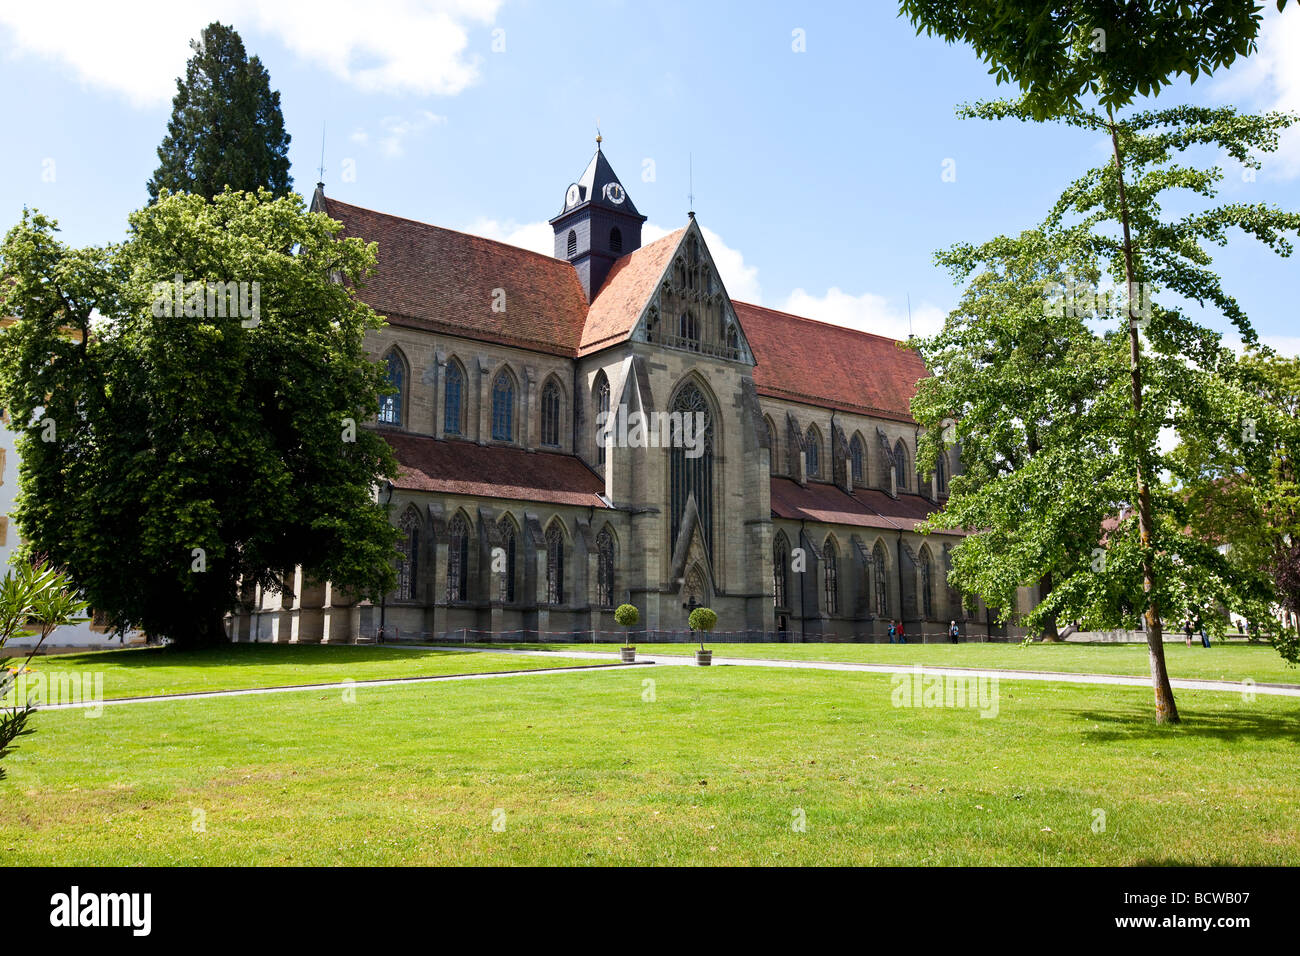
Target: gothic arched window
x=615 y=240
x=453 y=399
x=458 y=560
x=772 y=458
x=605 y=568
x=814 y=444
x=878 y=570
x=503 y=407
x=602 y=408
x=573 y=244
x=927 y=584
x=832 y=577
x=390 y=406
x=901 y=466
x=780 y=570
x=858 y=455
x=688 y=328
x=551 y=414
x=555 y=564
x=941 y=472
x=506 y=586
x=409 y=546
x=692 y=476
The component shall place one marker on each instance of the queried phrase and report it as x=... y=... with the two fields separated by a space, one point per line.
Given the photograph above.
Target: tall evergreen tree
x=226 y=127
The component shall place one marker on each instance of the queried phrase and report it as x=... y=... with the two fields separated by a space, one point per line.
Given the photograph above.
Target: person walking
x=902 y=634
x=1187 y=629
x=893 y=631
x=954 y=632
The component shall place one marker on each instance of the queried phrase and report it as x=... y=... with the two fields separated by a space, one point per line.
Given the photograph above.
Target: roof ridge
x=459 y=232
x=804 y=318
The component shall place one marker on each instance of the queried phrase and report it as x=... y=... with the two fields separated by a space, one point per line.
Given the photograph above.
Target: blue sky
x=817 y=173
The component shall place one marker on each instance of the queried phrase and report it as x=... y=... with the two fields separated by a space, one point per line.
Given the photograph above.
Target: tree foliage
x=1062 y=51
x=32 y=593
x=226 y=128
x=1060 y=416
x=166 y=458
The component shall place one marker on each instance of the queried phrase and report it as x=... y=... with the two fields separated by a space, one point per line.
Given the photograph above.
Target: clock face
x=572 y=197
x=614 y=193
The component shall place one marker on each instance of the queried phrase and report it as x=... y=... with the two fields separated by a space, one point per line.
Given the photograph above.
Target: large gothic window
x=390 y=406
x=780 y=570
x=602 y=407
x=503 y=407
x=551 y=414
x=506 y=585
x=458 y=560
x=878 y=571
x=688 y=328
x=858 y=455
x=692 y=476
x=605 y=568
x=772 y=458
x=453 y=399
x=409 y=546
x=927 y=584
x=813 y=441
x=555 y=564
x=832 y=577
x=901 y=466
x=941 y=472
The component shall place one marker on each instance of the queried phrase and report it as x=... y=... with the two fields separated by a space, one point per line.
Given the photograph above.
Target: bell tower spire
x=599 y=223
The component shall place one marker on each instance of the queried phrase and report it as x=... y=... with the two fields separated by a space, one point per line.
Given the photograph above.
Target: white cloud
x=1288 y=345
x=1270 y=79
x=397 y=128
x=867 y=312
x=537 y=236
x=392 y=46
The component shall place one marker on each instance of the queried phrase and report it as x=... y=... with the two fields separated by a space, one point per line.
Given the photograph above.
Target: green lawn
x=161 y=670
x=1221 y=662
x=713 y=770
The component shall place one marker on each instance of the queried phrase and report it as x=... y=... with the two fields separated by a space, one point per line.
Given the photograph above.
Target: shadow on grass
x=254 y=654
x=1138 y=723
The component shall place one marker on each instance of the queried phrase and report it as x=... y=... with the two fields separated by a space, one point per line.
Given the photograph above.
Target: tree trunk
x=1050 y=633
x=1166 y=708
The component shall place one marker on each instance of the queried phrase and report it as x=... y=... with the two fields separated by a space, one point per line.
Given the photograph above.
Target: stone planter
x=704 y=658
x=629 y=654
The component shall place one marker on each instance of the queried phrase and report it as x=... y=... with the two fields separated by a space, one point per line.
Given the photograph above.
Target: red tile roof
x=443 y=281
x=437 y=279
x=493 y=471
x=816 y=363
x=628 y=287
x=865 y=507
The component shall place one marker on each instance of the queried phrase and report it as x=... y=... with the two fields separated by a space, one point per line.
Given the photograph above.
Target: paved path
x=610 y=660
x=335 y=685
x=1228 y=686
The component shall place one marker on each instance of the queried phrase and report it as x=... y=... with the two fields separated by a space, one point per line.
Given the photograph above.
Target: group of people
x=1198 y=625
x=898 y=635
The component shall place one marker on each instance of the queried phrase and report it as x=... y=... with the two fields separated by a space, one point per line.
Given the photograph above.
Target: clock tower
x=598 y=224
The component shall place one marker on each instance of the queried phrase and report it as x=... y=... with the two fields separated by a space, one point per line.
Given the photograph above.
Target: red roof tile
x=804 y=360
x=443 y=281
x=493 y=471
x=866 y=507
x=628 y=287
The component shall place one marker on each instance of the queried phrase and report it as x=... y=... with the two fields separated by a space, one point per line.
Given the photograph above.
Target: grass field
x=159 y=670
x=1220 y=662
x=586 y=769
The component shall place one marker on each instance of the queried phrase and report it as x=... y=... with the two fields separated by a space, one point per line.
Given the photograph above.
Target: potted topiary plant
x=703 y=619
x=627 y=615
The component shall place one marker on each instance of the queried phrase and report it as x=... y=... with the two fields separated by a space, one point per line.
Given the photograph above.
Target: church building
x=792 y=514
